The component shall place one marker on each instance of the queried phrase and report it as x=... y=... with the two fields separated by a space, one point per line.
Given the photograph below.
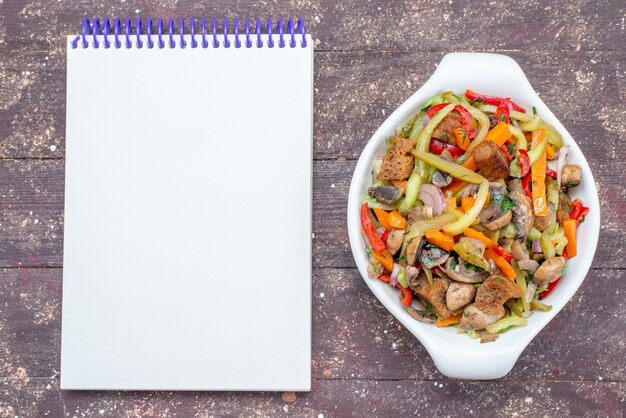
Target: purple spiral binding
x=192 y=30
x=149 y=33
x=170 y=29
x=236 y=31
x=117 y=28
x=205 y=43
x=181 y=30
x=105 y=32
x=247 y=31
x=128 y=29
x=95 y=30
x=138 y=30
x=160 y=33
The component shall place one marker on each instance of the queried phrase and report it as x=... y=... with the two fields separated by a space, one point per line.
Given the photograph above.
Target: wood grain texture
x=370 y=57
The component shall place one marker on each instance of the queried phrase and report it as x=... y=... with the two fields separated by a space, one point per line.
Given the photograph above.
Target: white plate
x=457 y=355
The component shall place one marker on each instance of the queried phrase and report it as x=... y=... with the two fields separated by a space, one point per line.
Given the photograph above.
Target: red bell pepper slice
x=523 y=161
x=385 y=277
x=437 y=147
x=370 y=232
x=503 y=253
x=466 y=117
x=550 y=288
x=551 y=172
x=505 y=150
x=578 y=210
x=407 y=296
x=526 y=180
x=503 y=112
x=492 y=100
x=384 y=236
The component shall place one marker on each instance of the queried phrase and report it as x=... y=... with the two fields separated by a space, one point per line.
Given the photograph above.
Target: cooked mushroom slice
x=394 y=240
x=385 y=193
x=519 y=251
x=417 y=311
x=434 y=294
x=549 y=271
x=459 y=295
x=529 y=265
x=474 y=319
x=515 y=185
x=411 y=273
x=412 y=249
x=458 y=270
x=571 y=175
x=543 y=222
x=494 y=291
x=523 y=216
x=492 y=216
x=565 y=207
x=441 y=179
x=469 y=190
x=419 y=212
x=431 y=255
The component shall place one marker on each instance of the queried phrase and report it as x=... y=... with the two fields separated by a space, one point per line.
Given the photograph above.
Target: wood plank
x=354 y=337
x=355 y=25
x=31 y=220
x=329 y=398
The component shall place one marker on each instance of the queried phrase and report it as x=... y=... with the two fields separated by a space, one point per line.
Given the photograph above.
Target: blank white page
x=187 y=250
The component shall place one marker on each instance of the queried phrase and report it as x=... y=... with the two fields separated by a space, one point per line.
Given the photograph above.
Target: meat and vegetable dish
x=469 y=214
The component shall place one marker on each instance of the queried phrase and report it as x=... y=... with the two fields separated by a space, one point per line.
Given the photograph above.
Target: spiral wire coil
x=286 y=35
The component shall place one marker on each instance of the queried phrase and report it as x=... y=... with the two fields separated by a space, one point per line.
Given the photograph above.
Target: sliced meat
x=571 y=175
x=565 y=207
x=474 y=319
x=494 y=291
x=385 y=193
x=543 y=222
x=445 y=130
x=394 y=240
x=398 y=162
x=459 y=295
x=491 y=161
x=434 y=294
x=523 y=215
x=549 y=271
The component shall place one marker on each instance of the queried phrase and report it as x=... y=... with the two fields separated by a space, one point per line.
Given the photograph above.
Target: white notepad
x=187 y=245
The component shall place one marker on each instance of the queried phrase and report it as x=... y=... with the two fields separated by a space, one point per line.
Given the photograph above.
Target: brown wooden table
x=370 y=57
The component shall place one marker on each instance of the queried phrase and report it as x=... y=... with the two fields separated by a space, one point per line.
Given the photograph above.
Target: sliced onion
x=398 y=131
x=515 y=123
x=537 y=246
x=426 y=120
x=530 y=292
x=526 y=314
x=432 y=196
x=393 y=280
x=370 y=272
x=561 y=160
x=553 y=165
x=380 y=231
